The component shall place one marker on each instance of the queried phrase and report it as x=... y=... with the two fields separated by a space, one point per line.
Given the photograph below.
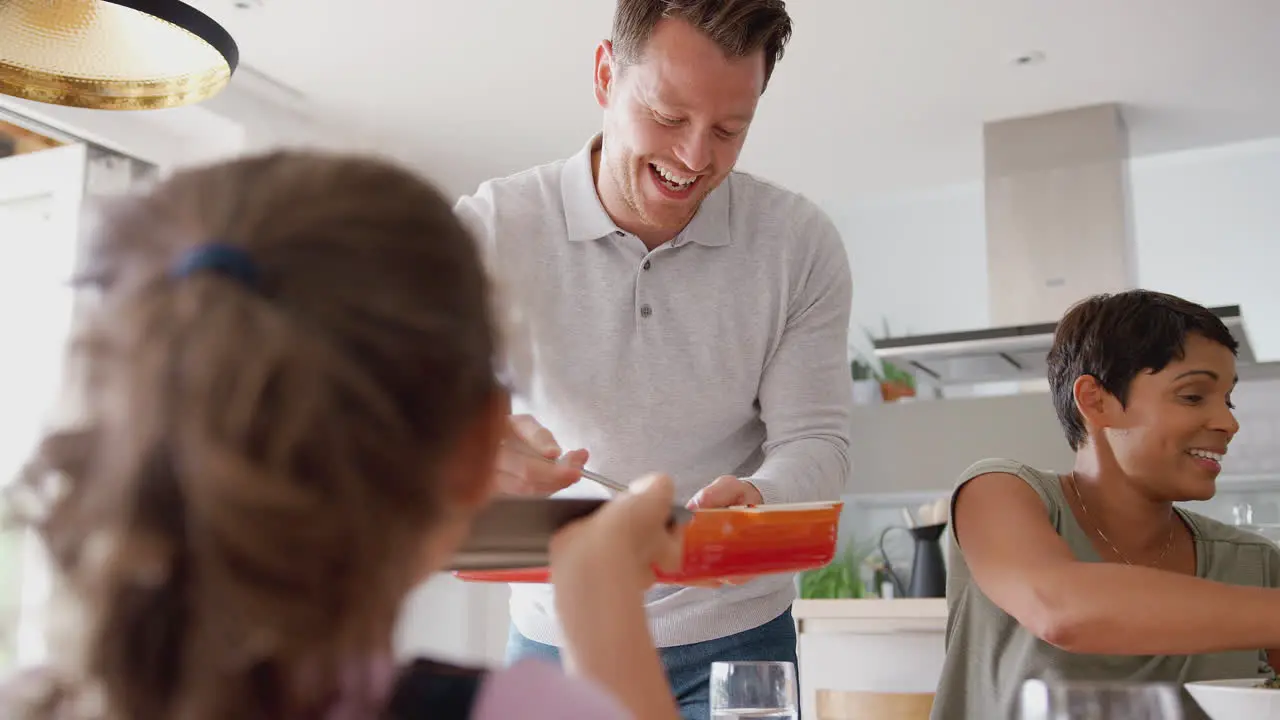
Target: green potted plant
x=841 y=579
x=895 y=382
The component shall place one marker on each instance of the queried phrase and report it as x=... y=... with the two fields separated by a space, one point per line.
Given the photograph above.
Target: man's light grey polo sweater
x=723 y=352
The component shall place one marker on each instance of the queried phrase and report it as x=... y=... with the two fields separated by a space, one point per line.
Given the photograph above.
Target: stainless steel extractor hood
x=1059 y=229
x=1008 y=353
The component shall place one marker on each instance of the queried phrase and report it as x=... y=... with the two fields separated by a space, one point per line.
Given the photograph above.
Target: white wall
x=918 y=261
x=1206 y=226
x=274 y=116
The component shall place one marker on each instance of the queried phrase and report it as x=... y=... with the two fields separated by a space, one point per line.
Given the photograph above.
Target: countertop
x=871 y=615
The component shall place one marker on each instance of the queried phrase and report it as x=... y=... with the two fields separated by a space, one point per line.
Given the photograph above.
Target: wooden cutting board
x=839 y=705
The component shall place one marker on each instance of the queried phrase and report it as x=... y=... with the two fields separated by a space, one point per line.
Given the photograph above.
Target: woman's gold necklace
x=1167 y=545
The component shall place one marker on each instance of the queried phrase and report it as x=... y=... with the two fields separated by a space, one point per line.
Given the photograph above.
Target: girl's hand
x=623 y=541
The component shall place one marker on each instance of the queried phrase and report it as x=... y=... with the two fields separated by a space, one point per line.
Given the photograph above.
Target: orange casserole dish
x=732 y=542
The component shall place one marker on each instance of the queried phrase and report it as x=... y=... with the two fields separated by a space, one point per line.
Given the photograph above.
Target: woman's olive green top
x=989 y=654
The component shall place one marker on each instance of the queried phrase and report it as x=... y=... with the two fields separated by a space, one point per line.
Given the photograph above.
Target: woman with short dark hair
x=1094 y=574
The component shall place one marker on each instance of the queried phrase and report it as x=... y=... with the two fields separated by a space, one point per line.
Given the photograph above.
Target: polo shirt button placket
x=646 y=310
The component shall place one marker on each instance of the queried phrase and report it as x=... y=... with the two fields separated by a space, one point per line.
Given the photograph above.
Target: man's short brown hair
x=739 y=27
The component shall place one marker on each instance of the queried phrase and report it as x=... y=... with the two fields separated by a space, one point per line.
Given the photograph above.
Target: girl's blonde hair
x=245 y=500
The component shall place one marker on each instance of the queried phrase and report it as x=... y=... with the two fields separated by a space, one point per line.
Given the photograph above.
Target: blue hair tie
x=226 y=260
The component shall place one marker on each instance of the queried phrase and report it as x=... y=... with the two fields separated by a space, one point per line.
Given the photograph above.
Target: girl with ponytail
x=290 y=419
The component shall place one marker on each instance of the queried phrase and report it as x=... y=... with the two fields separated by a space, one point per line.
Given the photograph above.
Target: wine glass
x=743 y=690
x=1100 y=700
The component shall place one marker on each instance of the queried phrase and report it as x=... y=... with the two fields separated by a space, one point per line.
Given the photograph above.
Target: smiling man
x=673 y=314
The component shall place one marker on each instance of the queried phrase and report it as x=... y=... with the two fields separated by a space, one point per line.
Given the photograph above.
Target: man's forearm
x=805 y=470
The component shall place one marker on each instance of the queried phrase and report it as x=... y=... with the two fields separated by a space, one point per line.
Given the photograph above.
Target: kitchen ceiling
x=873 y=95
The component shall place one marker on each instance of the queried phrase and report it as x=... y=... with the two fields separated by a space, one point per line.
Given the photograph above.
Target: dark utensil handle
x=679 y=516
x=893 y=574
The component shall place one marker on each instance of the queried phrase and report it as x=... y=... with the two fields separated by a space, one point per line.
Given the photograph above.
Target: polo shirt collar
x=586 y=219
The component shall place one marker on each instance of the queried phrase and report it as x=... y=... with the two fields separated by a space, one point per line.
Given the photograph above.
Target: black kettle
x=928 y=568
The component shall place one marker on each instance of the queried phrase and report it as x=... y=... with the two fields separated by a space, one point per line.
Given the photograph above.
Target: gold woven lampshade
x=112 y=54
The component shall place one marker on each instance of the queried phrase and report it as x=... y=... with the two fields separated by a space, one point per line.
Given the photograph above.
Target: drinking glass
x=750 y=690
x=1061 y=700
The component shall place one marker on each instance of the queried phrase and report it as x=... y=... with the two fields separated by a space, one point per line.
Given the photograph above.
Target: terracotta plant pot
x=891 y=390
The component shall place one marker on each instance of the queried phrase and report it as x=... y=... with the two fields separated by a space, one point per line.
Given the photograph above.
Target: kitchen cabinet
x=887 y=646
x=923 y=446
x=447 y=619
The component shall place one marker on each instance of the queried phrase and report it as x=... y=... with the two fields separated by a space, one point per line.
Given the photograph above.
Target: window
x=10 y=597
x=42 y=193
x=40 y=202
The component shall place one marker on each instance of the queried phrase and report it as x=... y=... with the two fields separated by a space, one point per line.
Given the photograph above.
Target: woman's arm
x=1024 y=567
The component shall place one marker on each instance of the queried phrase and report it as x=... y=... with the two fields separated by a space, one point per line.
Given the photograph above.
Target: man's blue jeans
x=689 y=666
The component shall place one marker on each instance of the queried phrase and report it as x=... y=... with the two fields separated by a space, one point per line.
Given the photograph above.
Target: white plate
x=1236 y=699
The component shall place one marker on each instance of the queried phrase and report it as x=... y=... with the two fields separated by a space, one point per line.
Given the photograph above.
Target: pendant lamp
x=112 y=54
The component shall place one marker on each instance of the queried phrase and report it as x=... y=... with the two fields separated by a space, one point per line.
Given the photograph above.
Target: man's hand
x=519 y=474
x=724 y=491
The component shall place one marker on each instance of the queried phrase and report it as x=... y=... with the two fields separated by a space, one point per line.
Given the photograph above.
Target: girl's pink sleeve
x=538 y=690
